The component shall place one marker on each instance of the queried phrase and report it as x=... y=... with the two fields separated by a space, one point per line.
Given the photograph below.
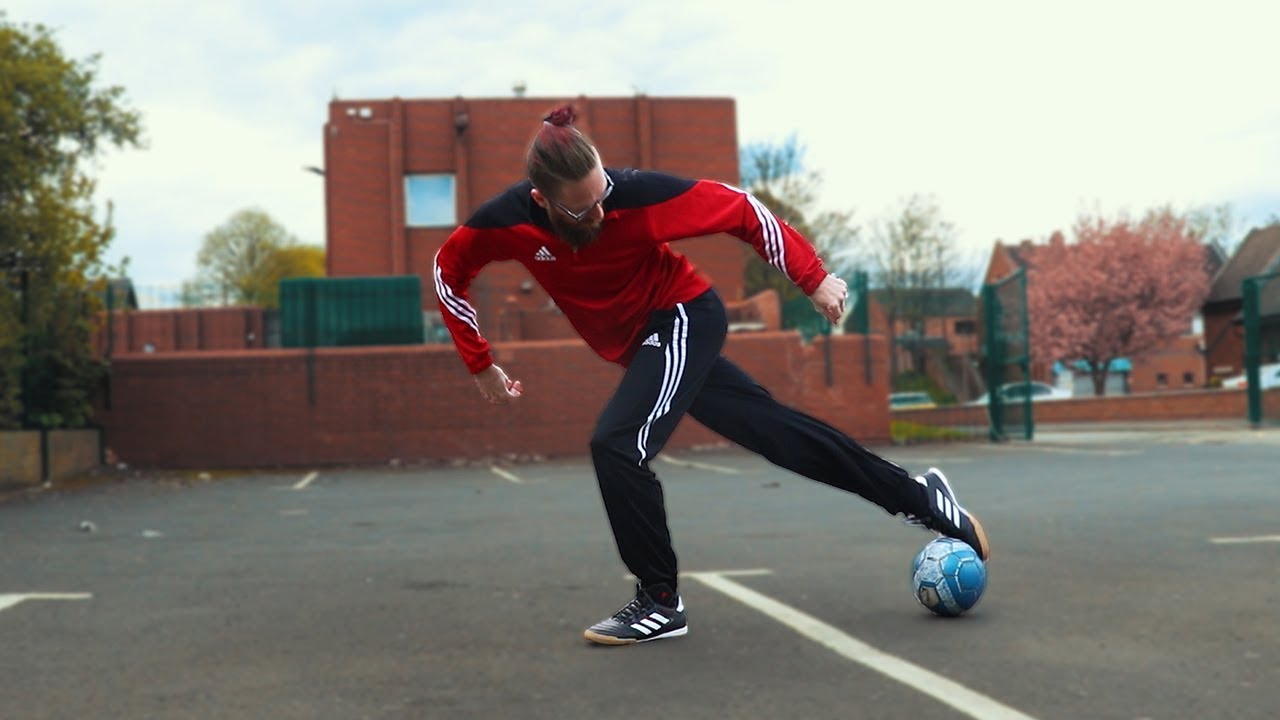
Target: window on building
x=1188 y=379
x=430 y=200
x=966 y=327
x=1162 y=380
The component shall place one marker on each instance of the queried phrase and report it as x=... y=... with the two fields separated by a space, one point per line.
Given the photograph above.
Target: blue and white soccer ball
x=948 y=577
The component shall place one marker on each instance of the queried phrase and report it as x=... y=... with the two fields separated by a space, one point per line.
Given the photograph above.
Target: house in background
x=1176 y=365
x=1007 y=259
x=935 y=333
x=1259 y=254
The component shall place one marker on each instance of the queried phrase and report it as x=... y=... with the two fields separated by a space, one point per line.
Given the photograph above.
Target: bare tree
x=1218 y=225
x=776 y=174
x=913 y=254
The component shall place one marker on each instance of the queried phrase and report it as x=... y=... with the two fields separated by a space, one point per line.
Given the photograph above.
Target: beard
x=577 y=234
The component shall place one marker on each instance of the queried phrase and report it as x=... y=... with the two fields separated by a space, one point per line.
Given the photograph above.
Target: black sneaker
x=652 y=614
x=947 y=517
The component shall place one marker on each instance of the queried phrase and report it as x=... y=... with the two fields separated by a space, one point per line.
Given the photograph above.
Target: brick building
x=1259 y=254
x=400 y=175
x=1177 y=364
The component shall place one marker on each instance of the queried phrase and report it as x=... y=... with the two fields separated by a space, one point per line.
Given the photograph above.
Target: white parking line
x=304 y=482
x=1063 y=450
x=508 y=476
x=8 y=601
x=948 y=692
x=700 y=465
x=1244 y=539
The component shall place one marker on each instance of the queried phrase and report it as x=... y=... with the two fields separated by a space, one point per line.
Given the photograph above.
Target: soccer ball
x=948 y=577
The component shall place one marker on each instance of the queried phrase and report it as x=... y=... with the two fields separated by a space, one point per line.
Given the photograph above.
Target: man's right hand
x=496 y=387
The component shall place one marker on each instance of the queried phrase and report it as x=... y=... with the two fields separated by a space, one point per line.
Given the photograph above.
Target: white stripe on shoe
x=949 y=509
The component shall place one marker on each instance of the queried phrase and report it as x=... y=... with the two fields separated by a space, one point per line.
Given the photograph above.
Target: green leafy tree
x=286 y=262
x=243 y=260
x=55 y=119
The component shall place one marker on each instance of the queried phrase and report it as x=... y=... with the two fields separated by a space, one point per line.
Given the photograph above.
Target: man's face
x=576 y=213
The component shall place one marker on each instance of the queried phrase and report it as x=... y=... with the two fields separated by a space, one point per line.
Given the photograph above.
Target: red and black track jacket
x=608 y=289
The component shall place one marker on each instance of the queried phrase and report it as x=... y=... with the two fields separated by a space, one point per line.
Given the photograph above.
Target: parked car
x=910 y=400
x=1014 y=393
x=1268 y=378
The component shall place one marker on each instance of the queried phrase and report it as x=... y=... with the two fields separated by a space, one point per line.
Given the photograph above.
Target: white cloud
x=1014 y=115
x=201 y=167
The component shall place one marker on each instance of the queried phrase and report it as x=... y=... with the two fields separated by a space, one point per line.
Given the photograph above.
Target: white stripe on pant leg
x=680 y=339
x=672 y=374
x=642 y=438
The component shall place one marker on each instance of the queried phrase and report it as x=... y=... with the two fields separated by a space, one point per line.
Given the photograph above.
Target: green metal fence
x=860 y=304
x=328 y=312
x=799 y=314
x=1006 y=357
x=1261 y=295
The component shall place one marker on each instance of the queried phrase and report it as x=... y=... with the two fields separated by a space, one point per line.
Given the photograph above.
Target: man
x=596 y=239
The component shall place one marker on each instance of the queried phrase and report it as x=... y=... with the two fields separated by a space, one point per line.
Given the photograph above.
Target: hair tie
x=561 y=116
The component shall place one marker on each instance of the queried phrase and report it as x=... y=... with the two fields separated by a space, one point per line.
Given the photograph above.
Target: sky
x=1016 y=117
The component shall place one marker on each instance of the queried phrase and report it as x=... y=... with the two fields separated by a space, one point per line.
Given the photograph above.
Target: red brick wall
x=366 y=159
x=1271 y=405
x=1187 y=405
x=1175 y=360
x=255 y=409
x=224 y=328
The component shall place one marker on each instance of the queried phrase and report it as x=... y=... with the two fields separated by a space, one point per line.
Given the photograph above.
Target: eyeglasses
x=578 y=216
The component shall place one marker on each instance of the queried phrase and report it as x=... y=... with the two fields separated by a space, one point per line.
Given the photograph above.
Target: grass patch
x=906 y=433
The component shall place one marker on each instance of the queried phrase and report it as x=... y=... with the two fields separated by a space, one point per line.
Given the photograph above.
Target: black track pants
x=679 y=370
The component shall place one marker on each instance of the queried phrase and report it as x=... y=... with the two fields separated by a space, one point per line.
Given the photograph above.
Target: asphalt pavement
x=1133 y=576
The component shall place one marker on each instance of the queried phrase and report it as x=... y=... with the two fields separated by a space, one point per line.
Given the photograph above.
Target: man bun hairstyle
x=559 y=152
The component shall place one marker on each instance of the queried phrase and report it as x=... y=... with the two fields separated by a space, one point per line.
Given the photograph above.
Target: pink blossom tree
x=1121 y=289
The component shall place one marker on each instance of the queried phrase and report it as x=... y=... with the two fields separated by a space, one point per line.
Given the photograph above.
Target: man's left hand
x=830 y=297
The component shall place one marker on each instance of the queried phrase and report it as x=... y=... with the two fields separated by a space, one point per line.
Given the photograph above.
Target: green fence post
x=1250 y=289
x=110 y=345
x=861 y=319
x=24 y=386
x=994 y=370
x=309 y=338
x=46 y=463
x=1028 y=413
x=861 y=311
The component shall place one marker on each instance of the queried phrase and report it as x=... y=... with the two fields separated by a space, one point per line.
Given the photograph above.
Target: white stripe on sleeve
x=457 y=307
x=775 y=249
